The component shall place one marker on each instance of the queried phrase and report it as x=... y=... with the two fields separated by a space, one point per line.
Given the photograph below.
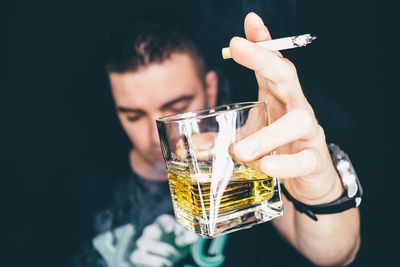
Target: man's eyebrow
x=176 y=100
x=128 y=110
x=163 y=106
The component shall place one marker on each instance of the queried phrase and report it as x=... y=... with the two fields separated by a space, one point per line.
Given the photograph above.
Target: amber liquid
x=191 y=193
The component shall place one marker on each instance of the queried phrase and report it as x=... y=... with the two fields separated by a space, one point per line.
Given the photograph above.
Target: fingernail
x=272 y=165
x=246 y=148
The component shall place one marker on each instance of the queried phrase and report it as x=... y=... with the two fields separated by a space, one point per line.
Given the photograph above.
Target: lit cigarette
x=278 y=44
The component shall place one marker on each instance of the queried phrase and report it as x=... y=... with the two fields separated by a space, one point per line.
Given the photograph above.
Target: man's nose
x=153 y=130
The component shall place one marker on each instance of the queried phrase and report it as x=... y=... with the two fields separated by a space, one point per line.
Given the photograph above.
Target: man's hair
x=145 y=42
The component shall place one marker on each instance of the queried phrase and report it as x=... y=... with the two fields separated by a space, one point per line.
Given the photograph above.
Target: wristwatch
x=351 y=198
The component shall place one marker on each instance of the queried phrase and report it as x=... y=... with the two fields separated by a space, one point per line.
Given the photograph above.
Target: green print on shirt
x=214 y=257
x=114 y=254
x=115 y=251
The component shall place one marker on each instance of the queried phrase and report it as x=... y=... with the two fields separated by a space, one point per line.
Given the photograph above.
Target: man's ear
x=211 y=83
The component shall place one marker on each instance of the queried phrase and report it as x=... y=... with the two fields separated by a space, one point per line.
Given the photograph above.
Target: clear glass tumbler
x=212 y=192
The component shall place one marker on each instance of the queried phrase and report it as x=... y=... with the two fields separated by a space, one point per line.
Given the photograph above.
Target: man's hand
x=302 y=160
x=295 y=134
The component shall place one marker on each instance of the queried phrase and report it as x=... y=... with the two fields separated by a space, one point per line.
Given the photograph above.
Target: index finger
x=262 y=61
x=256 y=31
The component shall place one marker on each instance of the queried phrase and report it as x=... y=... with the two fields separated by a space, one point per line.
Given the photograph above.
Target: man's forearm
x=332 y=240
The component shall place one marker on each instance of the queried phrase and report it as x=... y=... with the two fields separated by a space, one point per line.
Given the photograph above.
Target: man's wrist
x=322 y=190
x=349 y=189
x=337 y=189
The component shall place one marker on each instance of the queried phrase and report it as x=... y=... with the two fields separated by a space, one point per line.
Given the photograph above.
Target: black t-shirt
x=138 y=229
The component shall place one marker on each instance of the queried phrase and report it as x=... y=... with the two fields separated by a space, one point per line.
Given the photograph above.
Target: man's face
x=159 y=89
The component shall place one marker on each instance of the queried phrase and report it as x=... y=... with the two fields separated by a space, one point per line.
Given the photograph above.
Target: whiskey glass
x=212 y=192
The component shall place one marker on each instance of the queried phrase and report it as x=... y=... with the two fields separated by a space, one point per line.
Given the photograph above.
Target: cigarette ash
x=302 y=40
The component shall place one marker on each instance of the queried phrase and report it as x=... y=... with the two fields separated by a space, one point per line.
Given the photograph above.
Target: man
x=159 y=72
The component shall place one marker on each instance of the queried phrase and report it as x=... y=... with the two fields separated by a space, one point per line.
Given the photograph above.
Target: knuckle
x=314 y=161
x=319 y=167
x=291 y=66
x=304 y=121
x=283 y=91
x=308 y=162
x=270 y=138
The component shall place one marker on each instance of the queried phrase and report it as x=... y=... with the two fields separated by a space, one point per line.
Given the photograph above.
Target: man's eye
x=179 y=108
x=133 y=118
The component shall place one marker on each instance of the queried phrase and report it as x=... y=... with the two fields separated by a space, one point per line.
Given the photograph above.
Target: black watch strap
x=339 y=205
x=351 y=198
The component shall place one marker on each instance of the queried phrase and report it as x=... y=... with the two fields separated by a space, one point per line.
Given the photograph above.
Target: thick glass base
x=233 y=221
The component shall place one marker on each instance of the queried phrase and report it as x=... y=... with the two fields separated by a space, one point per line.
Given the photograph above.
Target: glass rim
x=209 y=112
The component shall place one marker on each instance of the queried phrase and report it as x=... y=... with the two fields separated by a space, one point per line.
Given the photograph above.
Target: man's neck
x=145 y=169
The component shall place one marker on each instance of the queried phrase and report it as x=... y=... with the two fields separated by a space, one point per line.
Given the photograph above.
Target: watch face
x=358 y=201
x=346 y=172
x=351 y=179
x=350 y=199
x=360 y=190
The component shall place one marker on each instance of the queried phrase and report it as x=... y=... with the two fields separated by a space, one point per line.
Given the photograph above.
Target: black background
x=58 y=122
